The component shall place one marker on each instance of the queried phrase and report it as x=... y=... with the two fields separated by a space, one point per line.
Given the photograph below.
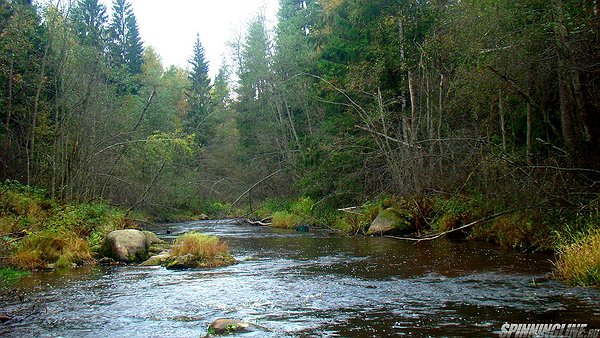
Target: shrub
x=199 y=245
x=579 y=262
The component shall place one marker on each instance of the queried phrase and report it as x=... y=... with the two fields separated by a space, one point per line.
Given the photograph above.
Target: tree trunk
x=9 y=99
x=502 y=119
x=578 y=126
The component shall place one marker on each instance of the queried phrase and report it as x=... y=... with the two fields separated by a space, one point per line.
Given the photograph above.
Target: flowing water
x=305 y=285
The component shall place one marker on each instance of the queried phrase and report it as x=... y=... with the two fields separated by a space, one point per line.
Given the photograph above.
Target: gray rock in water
x=226 y=326
x=390 y=221
x=126 y=246
x=157 y=260
x=151 y=238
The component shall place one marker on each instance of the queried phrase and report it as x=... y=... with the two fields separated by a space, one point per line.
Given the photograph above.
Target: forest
x=449 y=111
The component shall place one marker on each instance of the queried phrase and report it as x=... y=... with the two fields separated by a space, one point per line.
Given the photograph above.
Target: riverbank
x=572 y=235
x=39 y=233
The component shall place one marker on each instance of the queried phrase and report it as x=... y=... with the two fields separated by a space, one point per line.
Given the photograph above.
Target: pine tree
x=199 y=93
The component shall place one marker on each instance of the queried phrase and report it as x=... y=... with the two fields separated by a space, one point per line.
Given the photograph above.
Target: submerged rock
x=390 y=221
x=302 y=228
x=126 y=246
x=157 y=260
x=226 y=326
x=190 y=261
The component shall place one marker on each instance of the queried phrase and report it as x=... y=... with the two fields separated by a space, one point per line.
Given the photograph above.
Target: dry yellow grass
x=579 y=262
x=59 y=248
x=199 y=245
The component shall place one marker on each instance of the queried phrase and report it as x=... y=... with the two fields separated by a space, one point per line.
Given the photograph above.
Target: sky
x=170 y=26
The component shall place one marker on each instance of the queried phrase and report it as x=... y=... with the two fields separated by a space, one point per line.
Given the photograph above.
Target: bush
x=36 y=232
x=579 y=262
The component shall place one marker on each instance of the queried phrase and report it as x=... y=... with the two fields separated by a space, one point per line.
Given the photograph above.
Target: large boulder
x=126 y=246
x=390 y=221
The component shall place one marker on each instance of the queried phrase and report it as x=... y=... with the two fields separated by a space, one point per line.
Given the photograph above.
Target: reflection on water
x=300 y=284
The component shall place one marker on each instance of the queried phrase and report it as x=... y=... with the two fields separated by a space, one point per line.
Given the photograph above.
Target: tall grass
x=286 y=220
x=579 y=262
x=199 y=245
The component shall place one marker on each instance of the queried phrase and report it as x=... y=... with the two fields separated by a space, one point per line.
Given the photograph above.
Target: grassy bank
x=38 y=233
x=573 y=235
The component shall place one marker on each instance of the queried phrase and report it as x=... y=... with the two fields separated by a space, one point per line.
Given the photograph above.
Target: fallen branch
x=441 y=234
x=351 y=210
x=260 y=223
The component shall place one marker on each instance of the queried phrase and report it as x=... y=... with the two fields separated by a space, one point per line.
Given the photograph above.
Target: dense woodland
x=344 y=101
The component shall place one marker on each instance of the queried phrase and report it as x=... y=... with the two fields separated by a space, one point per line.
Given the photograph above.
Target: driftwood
x=351 y=210
x=442 y=234
x=262 y=222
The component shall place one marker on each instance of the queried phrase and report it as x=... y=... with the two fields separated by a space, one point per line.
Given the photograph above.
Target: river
x=305 y=285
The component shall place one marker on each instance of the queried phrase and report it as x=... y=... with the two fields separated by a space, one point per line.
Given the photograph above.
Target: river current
x=305 y=285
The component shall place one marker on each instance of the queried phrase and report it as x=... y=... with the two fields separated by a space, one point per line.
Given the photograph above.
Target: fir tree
x=199 y=93
x=90 y=20
x=125 y=47
x=133 y=46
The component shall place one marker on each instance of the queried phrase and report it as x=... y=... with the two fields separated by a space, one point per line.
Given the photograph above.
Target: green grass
x=286 y=220
x=9 y=276
x=199 y=245
x=196 y=250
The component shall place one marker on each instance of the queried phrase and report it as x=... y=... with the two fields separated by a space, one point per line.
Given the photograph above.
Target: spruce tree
x=90 y=23
x=125 y=46
x=133 y=46
x=199 y=93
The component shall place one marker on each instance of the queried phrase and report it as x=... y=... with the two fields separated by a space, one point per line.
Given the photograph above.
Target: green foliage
x=8 y=276
x=286 y=220
x=38 y=233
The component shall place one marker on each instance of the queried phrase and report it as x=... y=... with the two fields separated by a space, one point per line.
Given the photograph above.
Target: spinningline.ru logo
x=549 y=330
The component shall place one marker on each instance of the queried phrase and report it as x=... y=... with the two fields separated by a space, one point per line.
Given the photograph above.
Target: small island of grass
x=196 y=250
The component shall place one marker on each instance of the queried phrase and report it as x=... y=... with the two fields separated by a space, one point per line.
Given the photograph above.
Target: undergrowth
x=37 y=232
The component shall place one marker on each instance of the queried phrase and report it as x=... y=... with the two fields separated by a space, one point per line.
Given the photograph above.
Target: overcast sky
x=170 y=26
